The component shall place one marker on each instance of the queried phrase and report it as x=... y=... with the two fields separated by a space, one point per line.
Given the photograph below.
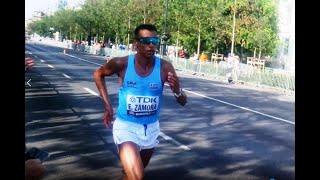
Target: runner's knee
x=131 y=161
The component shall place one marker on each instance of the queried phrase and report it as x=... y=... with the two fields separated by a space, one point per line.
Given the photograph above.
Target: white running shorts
x=145 y=136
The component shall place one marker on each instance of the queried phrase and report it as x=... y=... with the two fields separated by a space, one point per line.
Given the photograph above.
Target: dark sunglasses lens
x=153 y=40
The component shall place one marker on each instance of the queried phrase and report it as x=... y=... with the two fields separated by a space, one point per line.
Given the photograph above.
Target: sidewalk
x=76 y=150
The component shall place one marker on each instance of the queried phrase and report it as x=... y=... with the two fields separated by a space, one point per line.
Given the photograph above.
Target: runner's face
x=147 y=43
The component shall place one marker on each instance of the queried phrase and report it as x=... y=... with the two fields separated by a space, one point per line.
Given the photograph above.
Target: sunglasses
x=147 y=40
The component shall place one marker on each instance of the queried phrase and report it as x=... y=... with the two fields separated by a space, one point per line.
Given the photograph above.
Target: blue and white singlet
x=140 y=97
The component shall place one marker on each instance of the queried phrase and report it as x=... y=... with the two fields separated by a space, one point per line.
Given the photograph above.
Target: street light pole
x=144 y=12
x=166 y=15
x=128 y=32
x=234 y=26
x=165 y=29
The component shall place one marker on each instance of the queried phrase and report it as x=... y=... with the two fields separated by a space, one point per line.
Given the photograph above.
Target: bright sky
x=43 y=5
x=39 y=5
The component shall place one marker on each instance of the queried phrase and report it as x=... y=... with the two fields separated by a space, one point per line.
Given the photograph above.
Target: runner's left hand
x=173 y=82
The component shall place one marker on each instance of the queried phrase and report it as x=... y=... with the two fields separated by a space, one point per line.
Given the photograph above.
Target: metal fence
x=282 y=80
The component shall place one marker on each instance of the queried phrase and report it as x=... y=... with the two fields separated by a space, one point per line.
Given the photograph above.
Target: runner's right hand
x=108 y=116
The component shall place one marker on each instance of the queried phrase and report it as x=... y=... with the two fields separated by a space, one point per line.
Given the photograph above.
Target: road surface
x=226 y=131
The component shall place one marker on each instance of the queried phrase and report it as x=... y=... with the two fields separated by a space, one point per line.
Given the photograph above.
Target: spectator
x=122 y=46
x=229 y=68
x=28 y=63
x=232 y=68
x=97 y=47
x=130 y=47
x=203 y=57
x=194 y=57
x=181 y=53
x=195 y=62
x=110 y=45
x=235 y=68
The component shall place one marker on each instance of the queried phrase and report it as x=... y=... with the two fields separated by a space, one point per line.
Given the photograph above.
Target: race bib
x=142 y=105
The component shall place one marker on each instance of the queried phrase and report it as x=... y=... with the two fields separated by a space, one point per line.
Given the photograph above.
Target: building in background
x=74 y=5
x=37 y=15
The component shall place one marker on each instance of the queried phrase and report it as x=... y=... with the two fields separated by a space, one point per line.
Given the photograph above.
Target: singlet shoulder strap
x=130 y=67
x=157 y=67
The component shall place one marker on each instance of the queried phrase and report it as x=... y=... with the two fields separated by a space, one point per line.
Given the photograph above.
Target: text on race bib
x=142 y=105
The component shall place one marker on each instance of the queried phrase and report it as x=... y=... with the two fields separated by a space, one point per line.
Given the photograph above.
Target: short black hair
x=149 y=27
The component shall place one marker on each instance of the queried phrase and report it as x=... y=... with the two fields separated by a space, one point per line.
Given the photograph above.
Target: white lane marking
x=83 y=60
x=244 y=108
x=42 y=60
x=50 y=66
x=66 y=76
x=90 y=91
x=28 y=82
x=168 y=138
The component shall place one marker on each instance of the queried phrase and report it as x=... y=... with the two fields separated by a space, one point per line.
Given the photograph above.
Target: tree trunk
x=129 y=24
x=90 y=35
x=259 y=53
x=199 y=30
x=233 y=28
x=128 y=39
x=144 y=12
x=177 y=43
x=70 y=35
x=116 y=43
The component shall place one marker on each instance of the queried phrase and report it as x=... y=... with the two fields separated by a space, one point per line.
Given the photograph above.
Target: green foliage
x=256 y=22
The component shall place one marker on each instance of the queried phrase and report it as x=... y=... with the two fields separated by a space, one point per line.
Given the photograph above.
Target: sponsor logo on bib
x=131 y=84
x=154 y=86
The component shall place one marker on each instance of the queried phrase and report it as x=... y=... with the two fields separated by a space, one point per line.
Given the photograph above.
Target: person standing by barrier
x=232 y=69
x=194 y=59
x=203 y=58
x=181 y=53
x=142 y=77
x=28 y=63
x=229 y=68
x=235 y=68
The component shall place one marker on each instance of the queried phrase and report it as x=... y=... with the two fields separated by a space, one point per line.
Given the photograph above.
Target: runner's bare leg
x=131 y=161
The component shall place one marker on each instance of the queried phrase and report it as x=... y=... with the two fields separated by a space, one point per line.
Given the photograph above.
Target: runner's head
x=146 y=40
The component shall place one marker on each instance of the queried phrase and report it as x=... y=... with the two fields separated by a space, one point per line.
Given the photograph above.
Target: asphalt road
x=226 y=131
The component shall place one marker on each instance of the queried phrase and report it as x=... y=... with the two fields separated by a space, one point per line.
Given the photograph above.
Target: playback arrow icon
x=28 y=82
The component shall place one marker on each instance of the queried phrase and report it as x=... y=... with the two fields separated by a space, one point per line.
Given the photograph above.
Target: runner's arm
x=108 y=69
x=174 y=83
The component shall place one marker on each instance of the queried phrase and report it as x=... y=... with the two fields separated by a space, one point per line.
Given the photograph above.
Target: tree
x=198 y=26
